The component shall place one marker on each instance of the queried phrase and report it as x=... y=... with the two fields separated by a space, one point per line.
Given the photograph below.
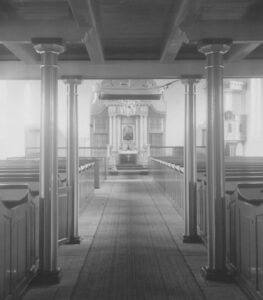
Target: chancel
x=128 y=117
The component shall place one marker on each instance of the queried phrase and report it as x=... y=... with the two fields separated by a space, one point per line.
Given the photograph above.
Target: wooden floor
x=133 y=254
x=132 y=249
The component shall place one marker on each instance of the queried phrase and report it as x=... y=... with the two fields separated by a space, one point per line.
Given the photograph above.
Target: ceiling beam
x=239 y=31
x=93 y=46
x=24 y=31
x=242 y=51
x=24 y=52
x=173 y=46
x=80 y=11
x=83 y=12
x=134 y=70
x=175 y=37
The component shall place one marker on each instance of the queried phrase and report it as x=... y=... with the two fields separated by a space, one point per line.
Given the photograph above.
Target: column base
x=226 y=275
x=192 y=239
x=74 y=240
x=47 y=277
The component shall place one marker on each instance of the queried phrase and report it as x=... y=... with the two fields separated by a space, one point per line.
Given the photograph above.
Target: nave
x=132 y=248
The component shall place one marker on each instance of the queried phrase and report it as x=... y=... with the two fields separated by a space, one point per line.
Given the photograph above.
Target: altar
x=128 y=157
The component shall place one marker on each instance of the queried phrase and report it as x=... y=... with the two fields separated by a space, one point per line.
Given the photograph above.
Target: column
x=49 y=50
x=145 y=130
x=119 y=133
x=216 y=265
x=141 y=132
x=137 y=132
x=73 y=158
x=110 y=129
x=190 y=209
x=114 y=133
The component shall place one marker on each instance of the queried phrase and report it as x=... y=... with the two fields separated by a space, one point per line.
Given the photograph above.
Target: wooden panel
x=259 y=234
x=19 y=246
x=225 y=9
x=232 y=233
x=19 y=239
x=41 y=10
x=86 y=187
x=33 y=229
x=134 y=29
x=5 y=250
x=63 y=213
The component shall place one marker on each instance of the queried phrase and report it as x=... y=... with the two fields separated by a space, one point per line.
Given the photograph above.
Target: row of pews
x=20 y=214
x=243 y=210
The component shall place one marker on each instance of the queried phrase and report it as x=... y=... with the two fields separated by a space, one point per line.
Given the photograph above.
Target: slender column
x=73 y=159
x=216 y=266
x=119 y=132
x=141 y=132
x=49 y=50
x=110 y=130
x=145 y=130
x=114 y=133
x=190 y=162
x=137 y=132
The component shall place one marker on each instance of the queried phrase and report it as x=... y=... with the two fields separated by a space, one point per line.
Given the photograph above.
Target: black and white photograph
x=131 y=149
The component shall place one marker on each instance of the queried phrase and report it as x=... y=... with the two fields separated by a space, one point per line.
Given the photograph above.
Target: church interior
x=131 y=141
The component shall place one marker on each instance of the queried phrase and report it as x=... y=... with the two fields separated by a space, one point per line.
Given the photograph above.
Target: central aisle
x=133 y=254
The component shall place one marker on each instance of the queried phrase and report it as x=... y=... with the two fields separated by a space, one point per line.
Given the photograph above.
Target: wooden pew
x=249 y=237
x=19 y=231
x=19 y=221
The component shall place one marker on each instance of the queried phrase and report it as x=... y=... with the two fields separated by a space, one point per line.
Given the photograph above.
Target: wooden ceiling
x=103 y=32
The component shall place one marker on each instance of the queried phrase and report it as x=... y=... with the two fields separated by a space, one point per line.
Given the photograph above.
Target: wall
x=175 y=101
x=20 y=107
x=254 y=108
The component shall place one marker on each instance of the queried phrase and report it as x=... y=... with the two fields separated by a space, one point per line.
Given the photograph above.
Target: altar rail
x=19 y=221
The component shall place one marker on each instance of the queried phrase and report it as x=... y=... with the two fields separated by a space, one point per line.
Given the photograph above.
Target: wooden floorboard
x=133 y=254
x=131 y=248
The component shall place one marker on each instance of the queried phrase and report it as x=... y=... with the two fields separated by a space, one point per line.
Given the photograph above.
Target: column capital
x=112 y=111
x=186 y=79
x=209 y=46
x=74 y=79
x=53 y=45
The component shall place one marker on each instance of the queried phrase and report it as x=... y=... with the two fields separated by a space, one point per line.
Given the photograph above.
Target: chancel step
x=130 y=169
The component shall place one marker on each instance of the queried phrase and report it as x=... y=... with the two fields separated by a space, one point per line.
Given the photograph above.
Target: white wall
x=20 y=107
x=254 y=108
x=175 y=98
